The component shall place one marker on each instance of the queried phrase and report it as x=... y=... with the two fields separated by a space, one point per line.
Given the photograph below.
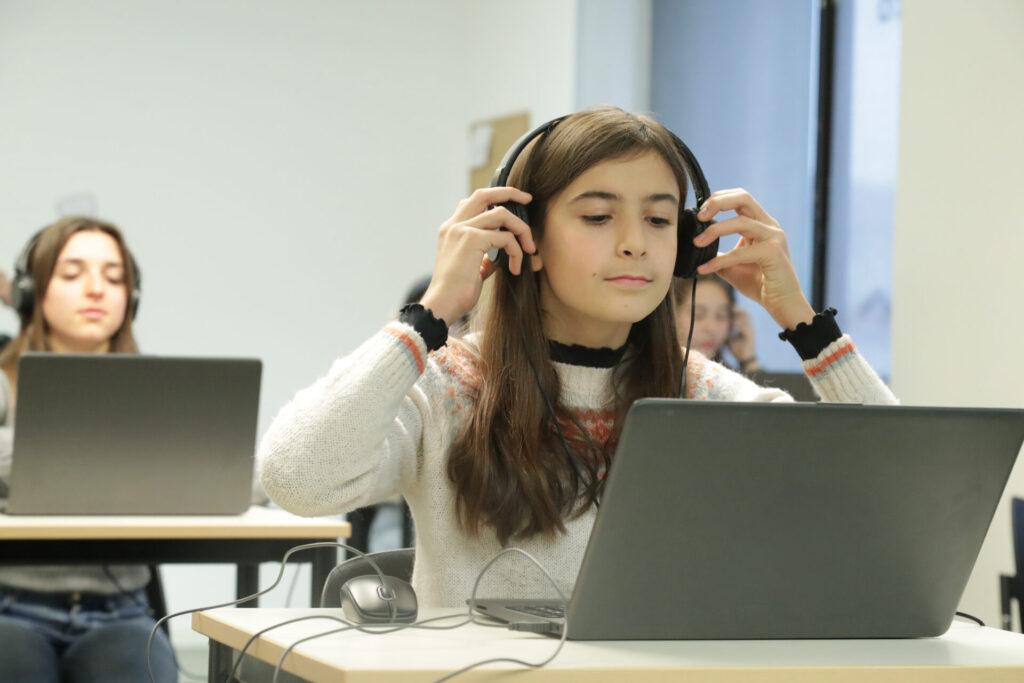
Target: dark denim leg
x=26 y=654
x=116 y=652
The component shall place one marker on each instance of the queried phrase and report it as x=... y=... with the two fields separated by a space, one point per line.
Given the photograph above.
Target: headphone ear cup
x=688 y=256
x=519 y=211
x=23 y=295
x=133 y=304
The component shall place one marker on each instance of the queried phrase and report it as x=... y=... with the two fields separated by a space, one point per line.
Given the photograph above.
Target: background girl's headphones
x=688 y=256
x=23 y=287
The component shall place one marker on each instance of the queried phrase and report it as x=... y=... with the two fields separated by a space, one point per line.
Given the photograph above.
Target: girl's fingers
x=738 y=200
x=742 y=276
x=506 y=241
x=753 y=230
x=501 y=218
x=753 y=254
x=481 y=199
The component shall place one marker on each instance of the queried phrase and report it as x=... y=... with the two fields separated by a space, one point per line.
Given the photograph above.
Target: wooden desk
x=965 y=653
x=258 y=535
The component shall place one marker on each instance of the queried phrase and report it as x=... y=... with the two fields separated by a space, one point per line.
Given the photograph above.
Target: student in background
x=582 y=317
x=720 y=324
x=73 y=623
x=5 y=299
x=5 y=289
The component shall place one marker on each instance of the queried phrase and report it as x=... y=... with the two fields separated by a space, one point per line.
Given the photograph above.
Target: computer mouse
x=363 y=600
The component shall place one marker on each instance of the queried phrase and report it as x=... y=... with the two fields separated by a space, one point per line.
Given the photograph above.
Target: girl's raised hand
x=759 y=266
x=461 y=266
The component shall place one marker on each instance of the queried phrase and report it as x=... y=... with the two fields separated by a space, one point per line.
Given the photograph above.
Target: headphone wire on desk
x=469 y=617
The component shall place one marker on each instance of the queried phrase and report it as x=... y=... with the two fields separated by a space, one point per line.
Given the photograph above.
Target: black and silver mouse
x=363 y=600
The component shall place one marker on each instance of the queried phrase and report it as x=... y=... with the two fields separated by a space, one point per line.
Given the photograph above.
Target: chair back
x=157 y=599
x=396 y=563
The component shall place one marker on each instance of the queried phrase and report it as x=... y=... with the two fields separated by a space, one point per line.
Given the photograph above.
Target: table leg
x=1005 y=603
x=220 y=661
x=247 y=582
x=324 y=560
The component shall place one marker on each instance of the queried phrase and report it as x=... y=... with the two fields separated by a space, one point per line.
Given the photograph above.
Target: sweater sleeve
x=838 y=374
x=711 y=381
x=356 y=435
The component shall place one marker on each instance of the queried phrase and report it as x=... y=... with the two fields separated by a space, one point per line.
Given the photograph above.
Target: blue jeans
x=64 y=638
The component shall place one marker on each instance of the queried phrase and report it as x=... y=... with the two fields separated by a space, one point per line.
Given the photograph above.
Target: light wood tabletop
x=965 y=653
x=258 y=535
x=256 y=522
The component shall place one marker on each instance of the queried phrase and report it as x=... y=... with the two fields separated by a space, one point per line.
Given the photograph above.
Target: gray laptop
x=753 y=520
x=130 y=434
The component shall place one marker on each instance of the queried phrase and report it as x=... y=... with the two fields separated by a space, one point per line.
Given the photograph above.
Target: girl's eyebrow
x=611 y=196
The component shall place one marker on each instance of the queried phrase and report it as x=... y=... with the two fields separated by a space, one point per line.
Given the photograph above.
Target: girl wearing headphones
x=75 y=290
x=582 y=317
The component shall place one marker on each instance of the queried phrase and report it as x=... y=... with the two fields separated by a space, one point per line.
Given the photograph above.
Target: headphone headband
x=688 y=257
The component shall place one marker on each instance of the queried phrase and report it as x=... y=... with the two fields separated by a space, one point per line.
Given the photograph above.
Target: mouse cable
x=372 y=629
x=386 y=593
x=514 y=626
x=382 y=629
x=291 y=588
x=471 y=616
x=973 y=618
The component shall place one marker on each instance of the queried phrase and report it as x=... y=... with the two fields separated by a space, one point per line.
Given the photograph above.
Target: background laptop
x=130 y=434
x=752 y=520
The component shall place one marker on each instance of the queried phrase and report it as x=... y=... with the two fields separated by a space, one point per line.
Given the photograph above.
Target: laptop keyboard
x=542 y=611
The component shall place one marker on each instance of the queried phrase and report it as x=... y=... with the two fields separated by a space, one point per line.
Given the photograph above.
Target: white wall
x=280 y=169
x=959 y=232
x=613 y=47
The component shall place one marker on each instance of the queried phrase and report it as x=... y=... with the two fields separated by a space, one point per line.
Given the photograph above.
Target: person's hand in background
x=5 y=289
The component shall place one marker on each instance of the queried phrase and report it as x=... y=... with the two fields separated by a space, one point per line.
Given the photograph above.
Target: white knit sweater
x=382 y=420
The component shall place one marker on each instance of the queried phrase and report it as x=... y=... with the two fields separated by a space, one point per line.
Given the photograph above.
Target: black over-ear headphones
x=688 y=256
x=23 y=288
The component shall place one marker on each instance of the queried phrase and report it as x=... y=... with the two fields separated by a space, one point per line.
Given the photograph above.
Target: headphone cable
x=689 y=338
x=540 y=387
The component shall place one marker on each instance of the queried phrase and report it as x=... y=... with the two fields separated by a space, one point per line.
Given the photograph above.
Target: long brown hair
x=34 y=333
x=509 y=467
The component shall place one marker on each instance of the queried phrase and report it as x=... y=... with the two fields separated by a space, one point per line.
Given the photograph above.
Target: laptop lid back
x=747 y=520
x=131 y=434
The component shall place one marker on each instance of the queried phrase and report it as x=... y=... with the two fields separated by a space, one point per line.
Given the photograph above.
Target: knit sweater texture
x=382 y=420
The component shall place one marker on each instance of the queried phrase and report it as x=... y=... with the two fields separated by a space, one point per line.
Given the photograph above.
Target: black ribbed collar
x=574 y=354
